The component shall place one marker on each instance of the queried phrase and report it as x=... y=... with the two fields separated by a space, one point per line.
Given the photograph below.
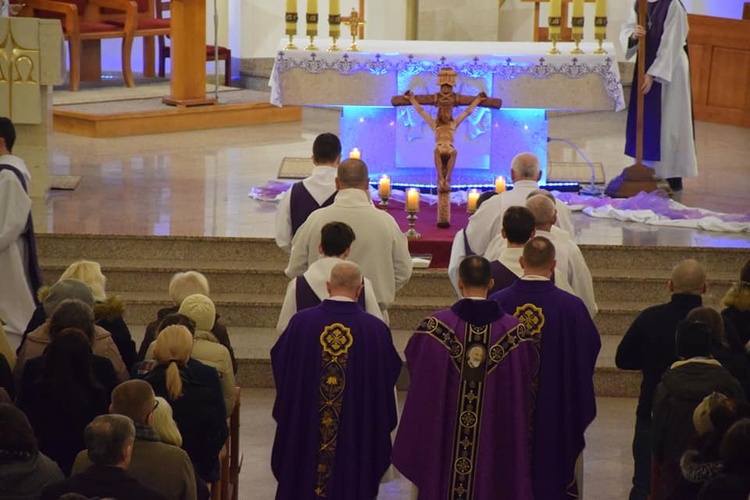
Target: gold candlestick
x=554 y=50
x=354 y=22
x=555 y=24
x=577 y=23
x=600 y=30
x=412 y=233
x=291 y=29
x=311 y=45
x=600 y=51
x=334 y=29
x=290 y=45
x=312 y=29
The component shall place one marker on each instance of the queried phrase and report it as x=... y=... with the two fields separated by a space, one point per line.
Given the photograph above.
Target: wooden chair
x=225 y=54
x=227 y=487
x=147 y=26
x=81 y=23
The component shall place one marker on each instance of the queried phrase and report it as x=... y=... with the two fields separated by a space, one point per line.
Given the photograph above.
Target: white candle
x=578 y=12
x=499 y=184
x=312 y=13
x=601 y=12
x=291 y=8
x=355 y=154
x=384 y=187
x=412 y=200
x=334 y=12
x=471 y=201
x=555 y=10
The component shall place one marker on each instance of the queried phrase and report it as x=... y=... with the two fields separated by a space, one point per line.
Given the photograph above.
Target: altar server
x=668 y=139
x=19 y=269
x=310 y=289
x=310 y=194
x=486 y=222
x=569 y=344
x=381 y=249
x=335 y=370
x=465 y=427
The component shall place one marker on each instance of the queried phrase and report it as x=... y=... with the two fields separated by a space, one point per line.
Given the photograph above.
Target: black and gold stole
x=336 y=340
x=474 y=358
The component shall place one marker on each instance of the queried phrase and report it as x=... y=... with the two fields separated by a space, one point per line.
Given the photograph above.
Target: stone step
x=648 y=259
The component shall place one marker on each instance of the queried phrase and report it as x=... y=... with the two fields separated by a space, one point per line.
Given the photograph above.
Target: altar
x=398 y=142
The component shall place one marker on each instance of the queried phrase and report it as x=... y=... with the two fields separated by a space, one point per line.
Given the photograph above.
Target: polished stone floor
x=196 y=183
x=607 y=466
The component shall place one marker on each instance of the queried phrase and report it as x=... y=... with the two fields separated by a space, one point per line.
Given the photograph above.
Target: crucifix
x=444 y=126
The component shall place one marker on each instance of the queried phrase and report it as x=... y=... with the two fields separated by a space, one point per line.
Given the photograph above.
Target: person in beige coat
x=207 y=348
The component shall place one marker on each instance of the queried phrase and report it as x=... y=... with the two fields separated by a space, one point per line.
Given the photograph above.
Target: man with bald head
x=335 y=369
x=569 y=344
x=649 y=346
x=380 y=249
x=486 y=223
x=175 y=478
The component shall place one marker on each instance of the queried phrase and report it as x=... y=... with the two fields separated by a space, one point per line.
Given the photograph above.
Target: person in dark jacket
x=63 y=392
x=194 y=392
x=734 y=481
x=649 y=346
x=109 y=441
x=24 y=470
x=182 y=286
x=737 y=308
x=683 y=387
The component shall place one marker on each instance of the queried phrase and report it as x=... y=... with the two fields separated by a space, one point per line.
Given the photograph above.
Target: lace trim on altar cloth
x=506 y=69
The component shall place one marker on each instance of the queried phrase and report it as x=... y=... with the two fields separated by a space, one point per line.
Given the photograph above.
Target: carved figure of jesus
x=444 y=126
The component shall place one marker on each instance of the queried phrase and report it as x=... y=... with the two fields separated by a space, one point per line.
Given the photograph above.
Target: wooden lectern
x=541 y=33
x=188 y=46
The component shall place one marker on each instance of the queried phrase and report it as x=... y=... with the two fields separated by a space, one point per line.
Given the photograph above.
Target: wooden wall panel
x=730 y=77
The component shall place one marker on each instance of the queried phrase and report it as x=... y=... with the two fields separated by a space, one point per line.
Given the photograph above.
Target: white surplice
x=671 y=69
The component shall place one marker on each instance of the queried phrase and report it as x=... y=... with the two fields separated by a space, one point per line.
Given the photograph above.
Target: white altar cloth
x=521 y=73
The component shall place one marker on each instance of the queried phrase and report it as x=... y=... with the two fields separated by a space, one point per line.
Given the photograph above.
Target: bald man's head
x=541 y=192
x=538 y=255
x=544 y=211
x=345 y=280
x=352 y=174
x=525 y=167
x=688 y=277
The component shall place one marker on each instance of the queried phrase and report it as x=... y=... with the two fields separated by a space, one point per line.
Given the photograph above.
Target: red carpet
x=434 y=241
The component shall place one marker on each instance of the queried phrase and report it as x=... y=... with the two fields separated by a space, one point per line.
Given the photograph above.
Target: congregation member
x=466 y=424
x=733 y=483
x=381 y=249
x=569 y=257
x=109 y=445
x=310 y=288
x=70 y=313
x=24 y=470
x=6 y=378
x=682 y=388
x=569 y=344
x=736 y=312
x=164 y=424
x=335 y=369
x=63 y=393
x=316 y=191
x=649 y=346
x=18 y=259
x=183 y=285
x=6 y=350
x=175 y=479
x=193 y=390
x=486 y=223
x=108 y=309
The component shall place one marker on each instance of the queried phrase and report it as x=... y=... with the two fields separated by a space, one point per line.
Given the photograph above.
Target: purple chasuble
x=565 y=402
x=33 y=272
x=503 y=276
x=306 y=297
x=335 y=368
x=302 y=204
x=656 y=17
x=464 y=431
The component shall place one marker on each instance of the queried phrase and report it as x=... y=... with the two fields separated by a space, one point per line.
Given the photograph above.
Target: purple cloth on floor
x=334 y=405
x=465 y=429
x=565 y=400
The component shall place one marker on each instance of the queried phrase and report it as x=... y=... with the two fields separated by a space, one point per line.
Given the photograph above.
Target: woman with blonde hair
x=164 y=424
x=194 y=392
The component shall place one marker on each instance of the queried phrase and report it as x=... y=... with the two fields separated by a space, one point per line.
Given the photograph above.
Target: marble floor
x=607 y=465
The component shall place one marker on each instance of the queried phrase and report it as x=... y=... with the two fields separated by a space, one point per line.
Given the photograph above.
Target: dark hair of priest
x=538 y=252
x=326 y=148
x=16 y=434
x=475 y=272
x=177 y=319
x=7 y=132
x=735 y=448
x=484 y=197
x=518 y=224
x=67 y=370
x=693 y=339
x=335 y=238
x=72 y=314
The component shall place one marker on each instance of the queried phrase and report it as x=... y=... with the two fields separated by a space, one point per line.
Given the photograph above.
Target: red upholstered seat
x=97 y=27
x=145 y=24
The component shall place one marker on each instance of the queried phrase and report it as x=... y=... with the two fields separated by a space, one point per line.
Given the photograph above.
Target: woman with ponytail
x=194 y=392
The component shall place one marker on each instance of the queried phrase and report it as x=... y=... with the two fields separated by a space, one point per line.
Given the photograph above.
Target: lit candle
x=471 y=201
x=355 y=154
x=291 y=17
x=334 y=18
x=412 y=200
x=578 y=13
x=555 y=11
x=499 y=184
x=384 y=188
x=600 y=24
x=312 y=17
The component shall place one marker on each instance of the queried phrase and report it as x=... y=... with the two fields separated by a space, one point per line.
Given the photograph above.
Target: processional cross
x=444 y=126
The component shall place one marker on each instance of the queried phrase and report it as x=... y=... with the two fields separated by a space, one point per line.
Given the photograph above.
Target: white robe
x=672 y=70
x=16 y=299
